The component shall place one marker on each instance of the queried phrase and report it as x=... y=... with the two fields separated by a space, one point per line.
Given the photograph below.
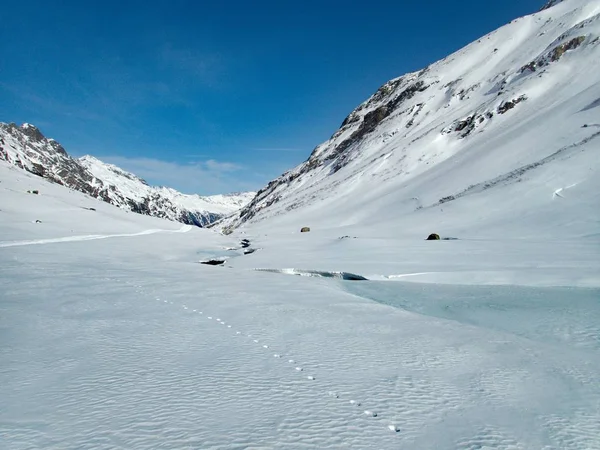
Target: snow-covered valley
x=124 y=331
x=113 y=336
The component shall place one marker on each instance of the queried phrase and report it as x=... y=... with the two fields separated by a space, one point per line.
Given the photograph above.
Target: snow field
x=125 y=343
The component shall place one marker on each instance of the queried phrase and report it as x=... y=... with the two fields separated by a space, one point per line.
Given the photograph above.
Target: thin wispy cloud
x=196 y=156
x=279 y=149
x=203 y=67
x=218 y=166
x=198 y=177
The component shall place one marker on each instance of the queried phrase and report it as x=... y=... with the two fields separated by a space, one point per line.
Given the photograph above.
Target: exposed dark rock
x=557 y=53
x=446 y=199
x=370 y=121
x=506 y=106
x=433 y=237
x=553 y=55
x=550 y=4
x=466 y=124
x=353 y=277
x=213 y=262
x=304 y=229
x=31 y=132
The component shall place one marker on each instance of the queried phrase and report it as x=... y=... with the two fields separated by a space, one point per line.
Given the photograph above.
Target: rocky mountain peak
x=26 y=147
x=550 y=4
x=32 y=132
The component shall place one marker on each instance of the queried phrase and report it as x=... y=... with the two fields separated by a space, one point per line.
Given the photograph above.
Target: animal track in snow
x=299 y=369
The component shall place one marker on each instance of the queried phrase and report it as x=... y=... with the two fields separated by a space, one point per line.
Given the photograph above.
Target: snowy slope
x=158 y=199
x=112 y=336
x=27 y=148
x=510 y=122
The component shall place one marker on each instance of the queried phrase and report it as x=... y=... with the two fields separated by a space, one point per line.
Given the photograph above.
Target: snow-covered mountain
x=515 y=114
x=27 y=148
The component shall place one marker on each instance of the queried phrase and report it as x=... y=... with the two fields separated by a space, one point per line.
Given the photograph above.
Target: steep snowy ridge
x=550 y=4
x=490 y=115
x=27 y=148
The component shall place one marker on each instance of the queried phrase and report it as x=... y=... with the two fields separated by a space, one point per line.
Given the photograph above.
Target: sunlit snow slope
x=501 y=136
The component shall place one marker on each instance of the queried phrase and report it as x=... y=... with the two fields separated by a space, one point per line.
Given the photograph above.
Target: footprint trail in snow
x=369 y=413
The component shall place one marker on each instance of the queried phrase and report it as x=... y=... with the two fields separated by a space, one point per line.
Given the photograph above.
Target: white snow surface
x=113 y=336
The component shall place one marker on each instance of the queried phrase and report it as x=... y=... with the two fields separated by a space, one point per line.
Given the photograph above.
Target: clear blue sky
x=210 y=96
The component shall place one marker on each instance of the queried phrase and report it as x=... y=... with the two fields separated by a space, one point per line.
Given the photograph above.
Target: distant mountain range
x=27 y=148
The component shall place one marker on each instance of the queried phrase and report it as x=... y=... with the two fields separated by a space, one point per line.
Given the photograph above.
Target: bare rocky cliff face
x=27 y=148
